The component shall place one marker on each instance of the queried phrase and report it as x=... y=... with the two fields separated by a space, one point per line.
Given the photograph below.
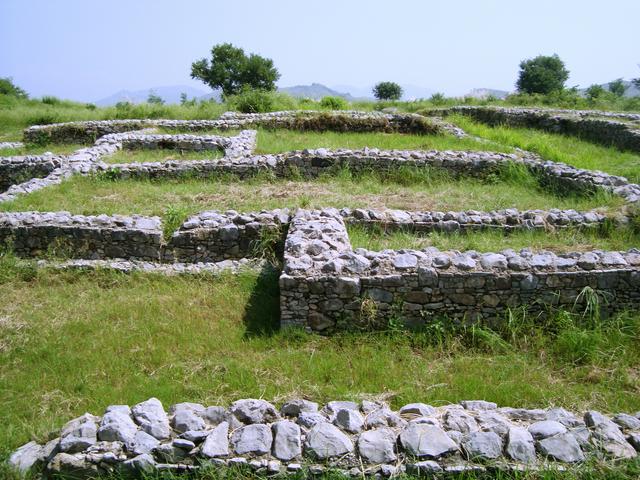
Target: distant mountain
x=482 y=93
x=170 y=94
x=315 y=91
x=631 y=89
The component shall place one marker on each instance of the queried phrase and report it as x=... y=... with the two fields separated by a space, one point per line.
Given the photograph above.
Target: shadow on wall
x=262 y=313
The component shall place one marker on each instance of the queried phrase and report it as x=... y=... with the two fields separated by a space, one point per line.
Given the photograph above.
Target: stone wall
x=34 y=234
x=213 y=236
x=473 y=220
x=327 y=286
x=358 y=439
x=16 y=170
x=90 y=131
x=590 y=125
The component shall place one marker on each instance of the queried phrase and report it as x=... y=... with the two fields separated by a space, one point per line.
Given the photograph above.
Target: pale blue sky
x=89 y=49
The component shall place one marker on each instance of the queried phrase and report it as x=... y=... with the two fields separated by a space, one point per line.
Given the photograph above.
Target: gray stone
x=405 y=261
x=151 y=417
x=253 y=439
x=169 y=453
x=325 y=441
x=349 y=420
x=634 y=440
x=563 y=447
x=186 y=418
x=520 y=446
x=293 y=408
x=417 y=409
x=493 y=421
x=217 y=442
x=566 y=418
x=424 y=440
x=117 y=425
x=377 y=446
x=79 y=434
x=606 y=435
x=333 y=407
x=483 y=445
x=144 y=464
x=627 y=422
x=195 y=436
x=546 y=428
x=286 y=440
x=74 y=465
x=143 y=443
x=27 y=456
x=309 y=419
x=383 y=417
x=425 y=468
x=215 y=415
x=478 y=405
x=460 y=421
x=254 y=411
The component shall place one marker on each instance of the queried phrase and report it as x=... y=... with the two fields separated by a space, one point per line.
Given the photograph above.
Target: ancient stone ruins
x=358 y=439
x=326 y=285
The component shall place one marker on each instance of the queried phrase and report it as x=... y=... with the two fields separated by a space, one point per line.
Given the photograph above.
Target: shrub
x=334 y=103
x=438 y=98
x=7 y=87
x=542 y=74
x=594 y=91
x=154 y=99
x=617 y=87
x=260 y=101
x=50 y=100
x=387 y=91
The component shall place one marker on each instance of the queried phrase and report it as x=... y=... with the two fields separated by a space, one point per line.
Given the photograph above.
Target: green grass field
x=161 y=155
x=558 y=148
x=73 y=342
x=559 y=241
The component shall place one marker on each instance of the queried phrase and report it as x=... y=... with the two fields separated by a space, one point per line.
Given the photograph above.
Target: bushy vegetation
x=542 y=74
x=387 y=91
x=334 y=103
x=260 y=101
x=231 y=70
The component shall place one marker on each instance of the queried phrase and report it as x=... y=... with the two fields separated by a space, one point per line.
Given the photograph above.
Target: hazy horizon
x=87 y=51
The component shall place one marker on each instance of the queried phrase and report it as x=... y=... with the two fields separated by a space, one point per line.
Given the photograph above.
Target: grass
x=409 y=189
x=72 y=342
x=558 y=148
x=161 y=155
x=39 y=150
x=276 y=141
x=559 y=241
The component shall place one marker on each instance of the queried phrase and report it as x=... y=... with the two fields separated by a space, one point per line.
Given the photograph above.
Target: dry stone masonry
x=327 y=286
x=607 y=128
x=357 y=438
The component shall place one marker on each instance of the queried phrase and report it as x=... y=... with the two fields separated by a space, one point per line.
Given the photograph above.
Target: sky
x=89 y=49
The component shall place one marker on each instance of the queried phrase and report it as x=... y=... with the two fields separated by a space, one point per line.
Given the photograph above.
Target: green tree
x=387 y=91
x=594 y=91
x=154 y=98
x=231 y=70
x=7 y=87
x=617 y=87
x=542 y=74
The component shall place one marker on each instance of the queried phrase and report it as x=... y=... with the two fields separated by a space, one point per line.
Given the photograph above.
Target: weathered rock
x=142 y=464
x=117 y=425
x=188 y=416
x=627 y=422
x=563 y=447
x=425 y=468
x=152 y=418
x=250 y=411
x=606 y=435
x=286 y=440
x=254 y=439
x=566 y=418
x=383 y=417
x=309 y=419
x=424 y=440
x=482 y=445
x=143 y=443
x=293 y=408
x=520 y=446
x=324 y=441
x=217 y=442
x=349 y=420
x=417 y=409
x=26 y=457
x=79 y=434
x=71 y=465
x=460 y=420
x=546 y=428
x=377 y=446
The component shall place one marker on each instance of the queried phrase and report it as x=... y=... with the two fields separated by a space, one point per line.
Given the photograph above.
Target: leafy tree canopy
x=231 y=70
x=7 y=87
x=387 y=91
x=617 y=87
x=542 y=74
